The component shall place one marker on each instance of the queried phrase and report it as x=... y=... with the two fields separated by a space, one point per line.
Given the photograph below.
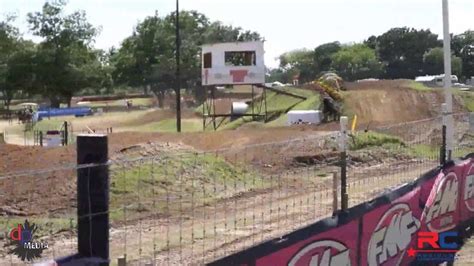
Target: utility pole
x=178 y=77
x=447 y=81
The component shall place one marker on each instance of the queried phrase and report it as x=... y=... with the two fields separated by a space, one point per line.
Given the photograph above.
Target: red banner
x=467 y=192
x=378 y=232
x=389 y=229
x=333 y=247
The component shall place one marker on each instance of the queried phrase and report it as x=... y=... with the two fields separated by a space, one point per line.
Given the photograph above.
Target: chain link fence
x=170 y=204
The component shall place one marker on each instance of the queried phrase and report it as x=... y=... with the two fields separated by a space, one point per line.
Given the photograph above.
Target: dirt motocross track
x=375 y=103
x=392 y=101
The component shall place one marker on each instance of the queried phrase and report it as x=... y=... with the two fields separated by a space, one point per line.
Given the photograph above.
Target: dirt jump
x=392 y=101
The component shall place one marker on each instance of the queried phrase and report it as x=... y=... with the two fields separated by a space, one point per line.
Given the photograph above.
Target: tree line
x=397 y=53
x=65 y=63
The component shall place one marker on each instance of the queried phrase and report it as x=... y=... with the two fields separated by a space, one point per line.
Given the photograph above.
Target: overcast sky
x=285 y=24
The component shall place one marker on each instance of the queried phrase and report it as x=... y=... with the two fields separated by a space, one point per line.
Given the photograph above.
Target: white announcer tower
x=234 y=63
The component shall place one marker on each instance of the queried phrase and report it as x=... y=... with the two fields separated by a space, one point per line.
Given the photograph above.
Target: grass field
x=138 y=120
x=135 y=102
x=168 y=125
x=373 y=139
x=312 y=103
x=280 y=104
x=419 y=86
x=176 y=174
x=467 y=97
x=395 y=144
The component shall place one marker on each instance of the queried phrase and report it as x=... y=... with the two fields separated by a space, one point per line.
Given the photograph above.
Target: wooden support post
x=213 y=95
x=265 y=102
x=253 y=103
x=343 y=162
x=204 y=105
x=122 y=261
x=93 y=197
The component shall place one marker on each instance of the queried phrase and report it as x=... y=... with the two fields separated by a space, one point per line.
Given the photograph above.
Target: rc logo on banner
x=435 y=247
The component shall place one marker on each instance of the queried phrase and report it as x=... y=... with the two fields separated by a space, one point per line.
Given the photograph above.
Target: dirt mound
x=392 y=101
x=158 y=115
x=48 y=175
x=377 y=84
x=26 y=158
x=216 y=140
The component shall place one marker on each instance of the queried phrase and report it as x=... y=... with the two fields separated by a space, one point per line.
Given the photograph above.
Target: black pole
x=344 y=196
x=41 y=138
x=93 y=198
x=178 y=78
x=442 y=155
x=65 y=134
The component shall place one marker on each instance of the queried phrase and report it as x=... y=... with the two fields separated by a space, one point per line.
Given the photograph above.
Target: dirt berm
x=392 y=101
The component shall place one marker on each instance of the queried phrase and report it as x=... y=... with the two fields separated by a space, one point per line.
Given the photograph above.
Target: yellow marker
x=354 y=122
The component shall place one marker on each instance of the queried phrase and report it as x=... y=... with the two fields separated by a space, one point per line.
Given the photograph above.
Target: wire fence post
x=65 y=134
x=444 y=111
x=471 y=122
x=93 y=197
x=335 y=182
x=41 y=138
x=122 y=261
x=343 y=162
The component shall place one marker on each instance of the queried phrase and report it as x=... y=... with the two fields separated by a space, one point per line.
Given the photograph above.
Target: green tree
x=467 y=57
x=298 y=62
x=8 y=41
x=15 y=62
x=64 y=52
x=402 y=49
x=357 y=62
x=217 y=32
x=147 y=58
x=323 y=56
x=434 y=62
x=371 y=42
x=463 y=47
x=277 y=74
x=308 y=64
